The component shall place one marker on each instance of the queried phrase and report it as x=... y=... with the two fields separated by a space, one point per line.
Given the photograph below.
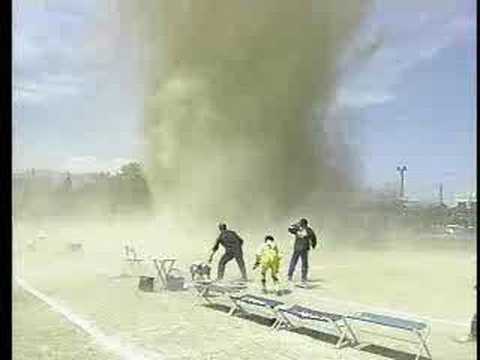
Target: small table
x=164 y=266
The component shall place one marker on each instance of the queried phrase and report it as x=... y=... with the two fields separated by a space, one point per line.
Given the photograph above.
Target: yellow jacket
x=268 y=256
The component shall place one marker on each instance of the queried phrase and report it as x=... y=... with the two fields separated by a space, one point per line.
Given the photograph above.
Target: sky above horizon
x=77 y=101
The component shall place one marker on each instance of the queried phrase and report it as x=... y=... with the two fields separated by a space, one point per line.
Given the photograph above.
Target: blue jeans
x=303 y=254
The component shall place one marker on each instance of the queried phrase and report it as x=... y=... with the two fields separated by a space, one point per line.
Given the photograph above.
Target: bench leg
x=352 y=336
x=422 y=346
x=342 y=334
x=283 y=321
x=202 y=295
x=235 y=307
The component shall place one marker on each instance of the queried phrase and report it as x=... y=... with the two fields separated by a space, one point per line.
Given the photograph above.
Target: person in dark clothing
x=473 y=324
x=305 y=239
x=233 y=250
x=472 y=335
x=473 y=328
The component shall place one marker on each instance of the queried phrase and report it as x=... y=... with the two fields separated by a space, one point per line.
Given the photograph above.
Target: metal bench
x=239 y=302
x=421 y=330
x=207 y=289
x=337 y=322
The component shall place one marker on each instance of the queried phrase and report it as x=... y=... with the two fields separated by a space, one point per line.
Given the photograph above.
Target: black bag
x=146 y=283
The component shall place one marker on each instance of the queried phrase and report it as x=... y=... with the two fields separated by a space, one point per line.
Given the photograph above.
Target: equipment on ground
x=174 y=280
x=146 y=283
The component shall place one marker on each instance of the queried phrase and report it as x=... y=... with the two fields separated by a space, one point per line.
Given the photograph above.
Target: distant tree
x=129 y=189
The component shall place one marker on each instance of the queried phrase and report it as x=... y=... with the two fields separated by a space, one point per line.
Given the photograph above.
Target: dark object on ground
x=146 y=283
x=175 y=282
x=74 y=247
x=200 y=271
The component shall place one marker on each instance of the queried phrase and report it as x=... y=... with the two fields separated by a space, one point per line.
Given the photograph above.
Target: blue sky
x=77 y=101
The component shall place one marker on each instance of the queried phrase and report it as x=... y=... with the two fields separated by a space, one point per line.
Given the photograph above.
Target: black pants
x=226 y=258
x=473 y=326
x=303 y=254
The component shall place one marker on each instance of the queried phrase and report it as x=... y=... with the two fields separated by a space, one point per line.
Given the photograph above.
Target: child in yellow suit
x=268 y=258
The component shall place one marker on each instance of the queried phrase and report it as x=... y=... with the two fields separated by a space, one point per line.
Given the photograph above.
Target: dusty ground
x=433 y=283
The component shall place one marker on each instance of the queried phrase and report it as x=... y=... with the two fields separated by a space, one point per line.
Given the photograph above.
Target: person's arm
x=313 y=238
x=215 y=248
x=240 y=240
x=258 y=256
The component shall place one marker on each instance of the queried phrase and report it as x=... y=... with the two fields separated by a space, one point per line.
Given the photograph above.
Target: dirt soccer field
x=74 y=305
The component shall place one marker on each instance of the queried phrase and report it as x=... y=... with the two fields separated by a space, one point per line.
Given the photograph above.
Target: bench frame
x=420 y=335
x=206 y=288
x=237 y=306
x=341 y=326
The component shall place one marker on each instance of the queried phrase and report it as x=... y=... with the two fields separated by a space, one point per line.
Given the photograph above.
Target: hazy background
x=413 y=100
x=146 y=123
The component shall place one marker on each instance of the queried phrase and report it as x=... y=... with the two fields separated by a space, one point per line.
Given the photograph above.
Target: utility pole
x=441 y=194
x=402 y=170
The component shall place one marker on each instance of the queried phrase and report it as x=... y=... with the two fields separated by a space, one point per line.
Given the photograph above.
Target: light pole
x=441 y=194
x=402 y=170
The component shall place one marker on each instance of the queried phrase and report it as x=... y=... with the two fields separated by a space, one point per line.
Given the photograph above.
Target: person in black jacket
x=305 y=239
x=233 y=250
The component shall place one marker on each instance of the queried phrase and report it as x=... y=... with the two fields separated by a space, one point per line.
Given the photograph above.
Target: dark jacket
x=305 y=242
x=230 y=241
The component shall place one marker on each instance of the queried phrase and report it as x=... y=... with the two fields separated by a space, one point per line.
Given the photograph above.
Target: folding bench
x=208 y=289
x=337 y=322
x=421 y=330
x=238 y=302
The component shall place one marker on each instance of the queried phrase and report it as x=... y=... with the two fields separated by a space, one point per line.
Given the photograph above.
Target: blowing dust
x=236 y=108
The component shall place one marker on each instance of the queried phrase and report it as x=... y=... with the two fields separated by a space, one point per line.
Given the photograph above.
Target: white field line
x=113 y=344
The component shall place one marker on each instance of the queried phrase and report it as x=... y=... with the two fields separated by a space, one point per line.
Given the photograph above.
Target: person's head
x=304 y=222
x=269 y=238
x=222 y=226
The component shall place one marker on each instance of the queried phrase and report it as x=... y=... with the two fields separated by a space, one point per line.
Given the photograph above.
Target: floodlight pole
x=441 y=194
x=402 y=170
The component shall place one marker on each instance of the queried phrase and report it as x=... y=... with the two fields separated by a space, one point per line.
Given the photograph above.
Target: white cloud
x=47 y=87
x=361 y=99
x=399 y=55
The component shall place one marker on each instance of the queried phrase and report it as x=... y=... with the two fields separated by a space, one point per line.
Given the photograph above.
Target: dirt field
x=433 y=283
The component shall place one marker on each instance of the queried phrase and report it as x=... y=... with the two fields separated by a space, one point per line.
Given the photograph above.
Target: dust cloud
x=237 y=105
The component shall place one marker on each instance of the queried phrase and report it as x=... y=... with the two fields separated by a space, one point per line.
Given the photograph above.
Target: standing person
x=473 y=325
x=304 y=239
x=233 y=250
x=472 y=335
x=268 y=257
